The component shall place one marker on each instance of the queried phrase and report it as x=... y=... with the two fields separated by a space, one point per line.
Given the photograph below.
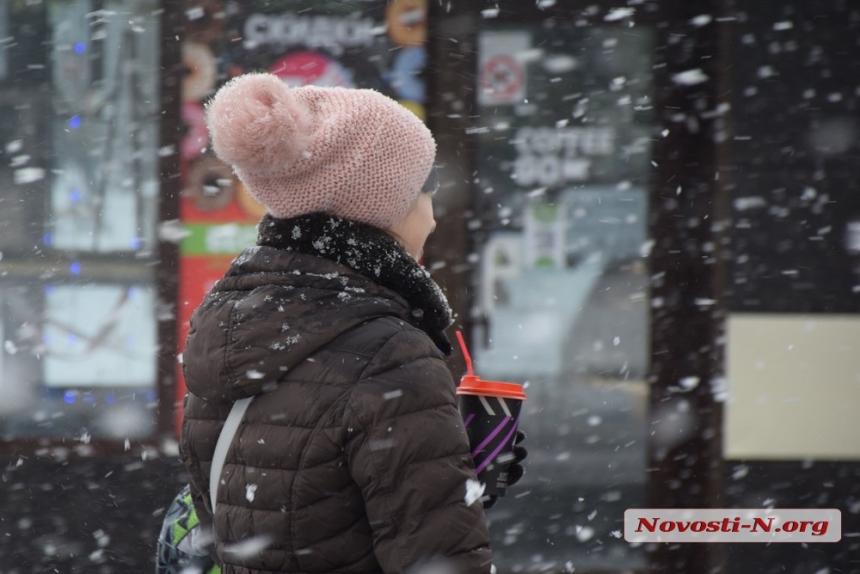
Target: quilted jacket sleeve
x=408 y=452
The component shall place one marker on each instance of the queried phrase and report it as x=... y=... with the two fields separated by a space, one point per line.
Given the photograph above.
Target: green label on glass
x=218 y=239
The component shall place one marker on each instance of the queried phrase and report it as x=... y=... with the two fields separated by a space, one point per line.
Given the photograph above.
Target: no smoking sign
x=501 y=80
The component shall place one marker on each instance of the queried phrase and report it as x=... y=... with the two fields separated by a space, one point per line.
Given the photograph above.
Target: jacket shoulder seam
x=228 y=365
x=383 y=346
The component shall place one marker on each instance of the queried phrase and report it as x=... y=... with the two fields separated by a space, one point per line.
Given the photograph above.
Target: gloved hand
x=515 y=468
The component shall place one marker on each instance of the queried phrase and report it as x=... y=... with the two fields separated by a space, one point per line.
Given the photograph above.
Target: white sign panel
x=502 y=76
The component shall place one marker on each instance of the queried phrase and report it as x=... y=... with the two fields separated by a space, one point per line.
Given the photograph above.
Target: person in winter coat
x=353 y=457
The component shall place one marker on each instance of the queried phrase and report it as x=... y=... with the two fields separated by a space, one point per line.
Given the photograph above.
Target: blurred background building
x=649 y=216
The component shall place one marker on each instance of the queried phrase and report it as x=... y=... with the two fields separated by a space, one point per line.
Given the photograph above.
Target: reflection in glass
x=99 y=336
x=86 y=365
x=563 y=305
x=79 y=128
x=105 y=101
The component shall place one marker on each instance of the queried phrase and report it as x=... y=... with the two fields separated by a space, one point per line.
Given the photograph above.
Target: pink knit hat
x=352 y=153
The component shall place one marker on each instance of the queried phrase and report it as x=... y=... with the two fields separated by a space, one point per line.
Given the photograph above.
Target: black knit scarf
x=371 y=252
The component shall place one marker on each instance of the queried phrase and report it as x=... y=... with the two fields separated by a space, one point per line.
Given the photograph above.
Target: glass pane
x=104 y=97
x=564 y=130
x=79 y=134
x=117 y=346
x=71 y=350
x=23 y=153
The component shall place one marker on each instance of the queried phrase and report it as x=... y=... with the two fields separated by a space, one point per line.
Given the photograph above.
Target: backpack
x=182 y=546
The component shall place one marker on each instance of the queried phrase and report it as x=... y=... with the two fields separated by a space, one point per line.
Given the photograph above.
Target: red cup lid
x=472 y=385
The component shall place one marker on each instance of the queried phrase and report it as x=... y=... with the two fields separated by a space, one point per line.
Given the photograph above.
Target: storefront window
x=79 y=184
x=564 y=129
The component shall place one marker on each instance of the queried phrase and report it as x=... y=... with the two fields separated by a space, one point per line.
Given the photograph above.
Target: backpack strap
x=231 y=425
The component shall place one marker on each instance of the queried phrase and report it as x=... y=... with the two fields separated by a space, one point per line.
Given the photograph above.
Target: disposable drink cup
x=491 y=413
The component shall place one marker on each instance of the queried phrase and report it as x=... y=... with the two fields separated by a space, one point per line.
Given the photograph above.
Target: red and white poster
x=502 y=74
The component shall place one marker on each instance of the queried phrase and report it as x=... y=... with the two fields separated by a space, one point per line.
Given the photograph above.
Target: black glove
x=515 y=468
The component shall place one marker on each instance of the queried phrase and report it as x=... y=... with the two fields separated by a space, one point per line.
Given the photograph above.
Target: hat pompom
x=257 y=124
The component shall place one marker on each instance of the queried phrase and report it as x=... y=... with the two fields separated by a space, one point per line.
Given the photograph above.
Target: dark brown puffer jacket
x=352 y=458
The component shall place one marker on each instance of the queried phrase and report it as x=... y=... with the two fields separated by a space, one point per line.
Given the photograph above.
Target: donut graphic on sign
x=202 y=74
x=196 y=140
x=407 y=22
x=312 y=69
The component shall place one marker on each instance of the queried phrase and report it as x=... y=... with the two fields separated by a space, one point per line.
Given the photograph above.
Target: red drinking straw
x=465 y=354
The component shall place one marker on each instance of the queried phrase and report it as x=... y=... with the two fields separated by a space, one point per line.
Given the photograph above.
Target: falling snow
x=474 y=491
